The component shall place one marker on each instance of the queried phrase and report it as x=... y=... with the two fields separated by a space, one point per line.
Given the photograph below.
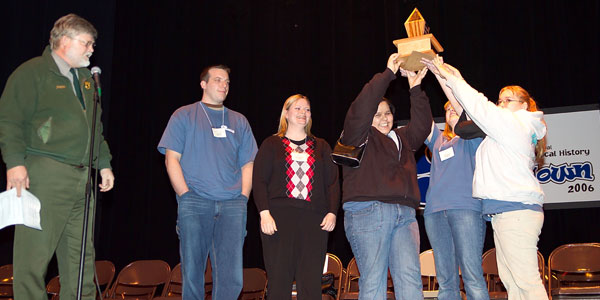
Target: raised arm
x=447 y=91
x=414 y=78
x=465 y=128
x=421 y=119
x=360 y=114
x=496 y=122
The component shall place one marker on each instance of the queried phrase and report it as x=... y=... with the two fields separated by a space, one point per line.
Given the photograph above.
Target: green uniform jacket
x=41 y=115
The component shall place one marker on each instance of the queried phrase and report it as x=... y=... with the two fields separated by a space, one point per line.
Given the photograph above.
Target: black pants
x=295 y=252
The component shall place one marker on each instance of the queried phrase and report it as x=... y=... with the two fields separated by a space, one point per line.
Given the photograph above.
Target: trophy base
x=420 y=43
x=413 y=63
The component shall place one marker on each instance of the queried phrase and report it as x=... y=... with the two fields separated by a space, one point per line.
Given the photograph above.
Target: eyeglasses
x=502 y=101
x=87 y=44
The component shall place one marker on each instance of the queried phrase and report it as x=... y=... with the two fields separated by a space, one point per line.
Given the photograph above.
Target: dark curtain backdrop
x=152 y=52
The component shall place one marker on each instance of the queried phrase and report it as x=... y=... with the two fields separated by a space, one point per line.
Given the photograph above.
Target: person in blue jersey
x=209 y=153
x=453 y=220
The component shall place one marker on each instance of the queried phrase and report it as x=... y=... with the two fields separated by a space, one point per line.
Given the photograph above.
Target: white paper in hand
x=24 y=210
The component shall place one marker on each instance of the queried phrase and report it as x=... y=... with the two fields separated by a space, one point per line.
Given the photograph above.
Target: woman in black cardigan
x=296 y=191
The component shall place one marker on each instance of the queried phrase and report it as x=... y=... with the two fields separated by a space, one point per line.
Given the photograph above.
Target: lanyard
x=211 y=125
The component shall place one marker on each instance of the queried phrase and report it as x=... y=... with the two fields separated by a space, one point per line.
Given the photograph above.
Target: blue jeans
x=385 y=236
x=457 y=236
x=211 y=227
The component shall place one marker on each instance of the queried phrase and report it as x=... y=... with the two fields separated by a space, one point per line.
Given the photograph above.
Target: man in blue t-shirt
x=209 y=153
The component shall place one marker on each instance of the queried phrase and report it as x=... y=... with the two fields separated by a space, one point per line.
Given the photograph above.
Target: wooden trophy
x=418 y=44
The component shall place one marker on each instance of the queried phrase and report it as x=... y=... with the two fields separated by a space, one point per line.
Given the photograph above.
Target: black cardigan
x=269 y=178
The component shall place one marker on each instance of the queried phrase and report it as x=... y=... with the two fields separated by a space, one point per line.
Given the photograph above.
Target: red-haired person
x=512 y=197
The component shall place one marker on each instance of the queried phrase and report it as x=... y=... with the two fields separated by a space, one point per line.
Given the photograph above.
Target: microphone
x=96 y=74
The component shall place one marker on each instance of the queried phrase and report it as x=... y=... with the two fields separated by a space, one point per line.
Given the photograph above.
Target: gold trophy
x=418 y=44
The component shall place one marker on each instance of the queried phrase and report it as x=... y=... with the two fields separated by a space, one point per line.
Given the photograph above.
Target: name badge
x=445 y=154
x=219 y=132
x=228 y=129
x=299 y=156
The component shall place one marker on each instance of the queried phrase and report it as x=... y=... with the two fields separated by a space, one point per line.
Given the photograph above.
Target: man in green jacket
x=45 y=124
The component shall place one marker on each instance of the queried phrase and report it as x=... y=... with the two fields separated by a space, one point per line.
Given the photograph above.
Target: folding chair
x=350 y=288
x=334 y=265
x=428 y=275
x=6 y=279
x=255 y=284
x=574 y=271
x=140 y=279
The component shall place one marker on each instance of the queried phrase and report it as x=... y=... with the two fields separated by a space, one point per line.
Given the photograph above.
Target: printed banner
x=572 y=151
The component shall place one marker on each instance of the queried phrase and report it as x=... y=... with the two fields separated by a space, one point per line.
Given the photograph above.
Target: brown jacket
x=384 y=174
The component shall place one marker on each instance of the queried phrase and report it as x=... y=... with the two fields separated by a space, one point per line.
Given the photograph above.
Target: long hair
x=524 y=96
x=283 y=124
x=448 y=131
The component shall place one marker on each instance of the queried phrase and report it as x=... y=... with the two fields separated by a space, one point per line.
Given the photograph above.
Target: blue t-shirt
x=211 y=165
x=451 y=179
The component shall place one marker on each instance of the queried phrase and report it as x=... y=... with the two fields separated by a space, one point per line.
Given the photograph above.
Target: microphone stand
x=88 y=191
